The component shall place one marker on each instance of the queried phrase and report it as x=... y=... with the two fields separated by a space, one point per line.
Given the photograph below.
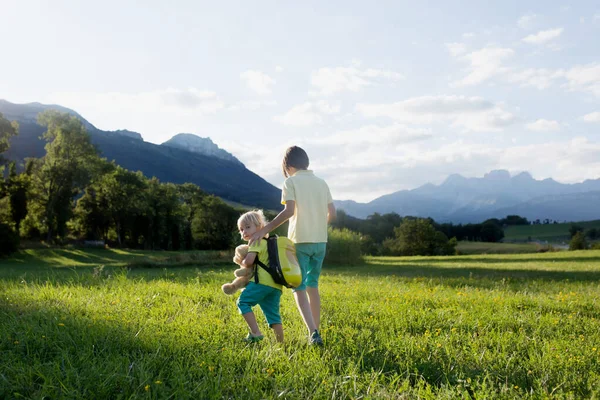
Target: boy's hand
x=255 y=238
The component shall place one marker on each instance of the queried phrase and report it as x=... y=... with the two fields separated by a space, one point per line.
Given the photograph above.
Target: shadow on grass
x=499 y=259
x=430 y=271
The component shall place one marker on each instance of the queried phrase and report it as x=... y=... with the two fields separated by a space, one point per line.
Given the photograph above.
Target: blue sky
x=383 y=96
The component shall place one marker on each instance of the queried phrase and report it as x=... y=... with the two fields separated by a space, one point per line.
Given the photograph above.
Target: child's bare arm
x=330 y=213
x=248 y=262
x=283 y=216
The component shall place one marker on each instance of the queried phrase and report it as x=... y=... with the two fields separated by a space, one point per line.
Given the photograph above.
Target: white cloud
x=329 y=81
x=468 y=35
x=155 y=114
x=485 y=64
x=596 y=17
x=307 y=114
x=468 y=113
x=539 y=78
x=592 y=117
x=456 y=49
x=543 y=125
x=258 y=81
x=543 y=36
x=252 y=105
x=526 y=21
x=584 y=78
x=180 y=101
x=278 y=68
x=391 y=135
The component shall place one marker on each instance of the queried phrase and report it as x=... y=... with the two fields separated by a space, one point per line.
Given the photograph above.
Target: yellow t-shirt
x=312 y=196
x=264 y=278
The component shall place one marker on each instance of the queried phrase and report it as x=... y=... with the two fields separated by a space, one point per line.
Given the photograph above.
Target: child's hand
x=256 y=238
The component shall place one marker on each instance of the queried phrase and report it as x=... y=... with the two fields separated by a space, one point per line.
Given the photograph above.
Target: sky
x=383 y=95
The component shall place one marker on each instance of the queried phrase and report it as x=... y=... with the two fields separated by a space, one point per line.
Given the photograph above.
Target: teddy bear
x=242 y=274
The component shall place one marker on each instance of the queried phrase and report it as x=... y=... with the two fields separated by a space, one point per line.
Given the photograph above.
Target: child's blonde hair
x=255 y=217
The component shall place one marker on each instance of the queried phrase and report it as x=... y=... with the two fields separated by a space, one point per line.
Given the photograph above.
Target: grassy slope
x=551 y=232
x=432 y=327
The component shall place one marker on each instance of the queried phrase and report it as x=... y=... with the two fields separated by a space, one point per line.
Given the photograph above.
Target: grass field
x=469 y=248
x=553 y=233
x=491 y=326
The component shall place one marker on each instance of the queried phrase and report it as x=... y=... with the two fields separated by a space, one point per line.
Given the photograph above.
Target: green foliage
x=64 y=171
x=343 y=247
x=512 y=220
x=9 y=240
x=7 y=130
x=593 y=233
x=578 y=242
x=491 y=231
x=574 y=229
x=419 y=237
x=214 y=226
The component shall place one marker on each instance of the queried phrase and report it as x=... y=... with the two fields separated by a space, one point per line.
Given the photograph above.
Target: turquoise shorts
x=267 y=297
x=310 y=257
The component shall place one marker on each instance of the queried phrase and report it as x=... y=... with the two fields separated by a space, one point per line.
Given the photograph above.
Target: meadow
x=552 y=233
x=131 y=324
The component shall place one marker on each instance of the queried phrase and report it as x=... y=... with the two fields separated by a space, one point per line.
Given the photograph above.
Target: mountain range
x=496 y=195
x=183 y=158
x=190 y=158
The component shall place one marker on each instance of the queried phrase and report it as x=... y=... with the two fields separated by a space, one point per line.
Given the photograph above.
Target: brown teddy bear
x=242 y=274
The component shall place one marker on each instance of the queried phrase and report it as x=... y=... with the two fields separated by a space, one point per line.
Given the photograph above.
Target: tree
x=17 y=188
x=593 y=233
x=574 y=229
x=7 y=130
x=491 y=231
x=419 y=237
x=65 y=169
x=514 y=220
x=578 y=242
x=215 y=225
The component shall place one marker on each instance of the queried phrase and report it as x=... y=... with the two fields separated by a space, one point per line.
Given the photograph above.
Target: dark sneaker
x=253 y=339
x=315 y=339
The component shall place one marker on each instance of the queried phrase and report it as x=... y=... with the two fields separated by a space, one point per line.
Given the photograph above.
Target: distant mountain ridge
x=497 y=194
x=200 y=145
x=214 y=170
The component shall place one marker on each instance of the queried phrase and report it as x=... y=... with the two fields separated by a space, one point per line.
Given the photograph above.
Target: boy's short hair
x=294 y=157
x=255 y=217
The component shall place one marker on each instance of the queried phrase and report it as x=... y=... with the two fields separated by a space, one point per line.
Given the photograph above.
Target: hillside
x=225 y=177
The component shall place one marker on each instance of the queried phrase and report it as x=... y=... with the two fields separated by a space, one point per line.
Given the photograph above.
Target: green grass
x=469 y=248
x=553 y=233
x=491 y=326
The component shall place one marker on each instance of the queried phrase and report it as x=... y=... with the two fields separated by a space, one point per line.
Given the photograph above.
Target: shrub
x=343 y=247
x=9 y=240
x=578 y=242
x=596 y=246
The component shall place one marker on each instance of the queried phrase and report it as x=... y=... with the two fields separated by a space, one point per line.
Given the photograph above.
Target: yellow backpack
x=283 y=264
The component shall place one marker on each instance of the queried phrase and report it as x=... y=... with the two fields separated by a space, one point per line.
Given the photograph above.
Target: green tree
x=7 y=130
x=491 y=231
x=215 y=225
x=64 y=171
x=574 y=229
x=191 y=197
x=578 y=242
x=419 y=237
x=17 y=189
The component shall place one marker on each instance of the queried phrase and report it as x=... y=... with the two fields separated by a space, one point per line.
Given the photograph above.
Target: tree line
x=72 y=194
x=392 y=234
